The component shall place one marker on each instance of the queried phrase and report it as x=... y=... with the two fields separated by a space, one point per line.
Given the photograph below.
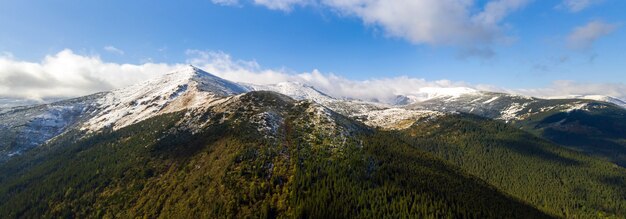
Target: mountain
x=191 y=87
x=185 y=88
x=259 y=154
x=190 y=144
x=590 y=124
x=501 y=106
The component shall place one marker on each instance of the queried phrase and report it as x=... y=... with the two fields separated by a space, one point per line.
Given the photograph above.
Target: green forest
x=552 y=178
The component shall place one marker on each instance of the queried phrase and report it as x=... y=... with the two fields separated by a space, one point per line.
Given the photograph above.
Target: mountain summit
x=204 y=81
x=180 y=89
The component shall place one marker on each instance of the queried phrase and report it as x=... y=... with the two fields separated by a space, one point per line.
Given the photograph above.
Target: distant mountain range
x=275 y=150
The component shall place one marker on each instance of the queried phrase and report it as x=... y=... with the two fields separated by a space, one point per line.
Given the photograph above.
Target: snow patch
x=491 y=100
x=511 y=113
x=268 y=123
x=576 y=106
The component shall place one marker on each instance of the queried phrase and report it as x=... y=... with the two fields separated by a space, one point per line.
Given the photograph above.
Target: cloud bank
x=66 y=74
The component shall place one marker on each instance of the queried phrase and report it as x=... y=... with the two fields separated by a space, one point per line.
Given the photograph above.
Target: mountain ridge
x=218 y=147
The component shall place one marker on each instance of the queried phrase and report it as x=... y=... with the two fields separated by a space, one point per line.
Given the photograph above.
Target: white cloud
x=439 y=22
x=112 y=49
x=67 y=74
x=577 y=5
x=584 y=36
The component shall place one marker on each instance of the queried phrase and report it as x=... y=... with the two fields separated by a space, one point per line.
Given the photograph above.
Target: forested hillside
x=157 y=169
x=600 y=132
x=552 y=178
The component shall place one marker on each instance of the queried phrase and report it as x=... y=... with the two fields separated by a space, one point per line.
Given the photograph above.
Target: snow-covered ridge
x=295 y=90
x=191 y=87
x=602 y=98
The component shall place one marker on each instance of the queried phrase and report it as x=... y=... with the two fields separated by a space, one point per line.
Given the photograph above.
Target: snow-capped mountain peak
x=203 y=81
x=184 y=88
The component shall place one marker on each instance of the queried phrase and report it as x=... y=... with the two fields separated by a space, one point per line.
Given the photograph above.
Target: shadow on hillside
x=602 y=147
x=183 y=143
x=536 y=149
x=587 y=124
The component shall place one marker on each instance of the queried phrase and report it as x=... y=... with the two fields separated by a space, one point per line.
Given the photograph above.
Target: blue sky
x=521 y=44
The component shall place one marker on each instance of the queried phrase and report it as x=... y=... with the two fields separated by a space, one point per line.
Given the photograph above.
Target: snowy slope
x=23 y=128
x=178 y=90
